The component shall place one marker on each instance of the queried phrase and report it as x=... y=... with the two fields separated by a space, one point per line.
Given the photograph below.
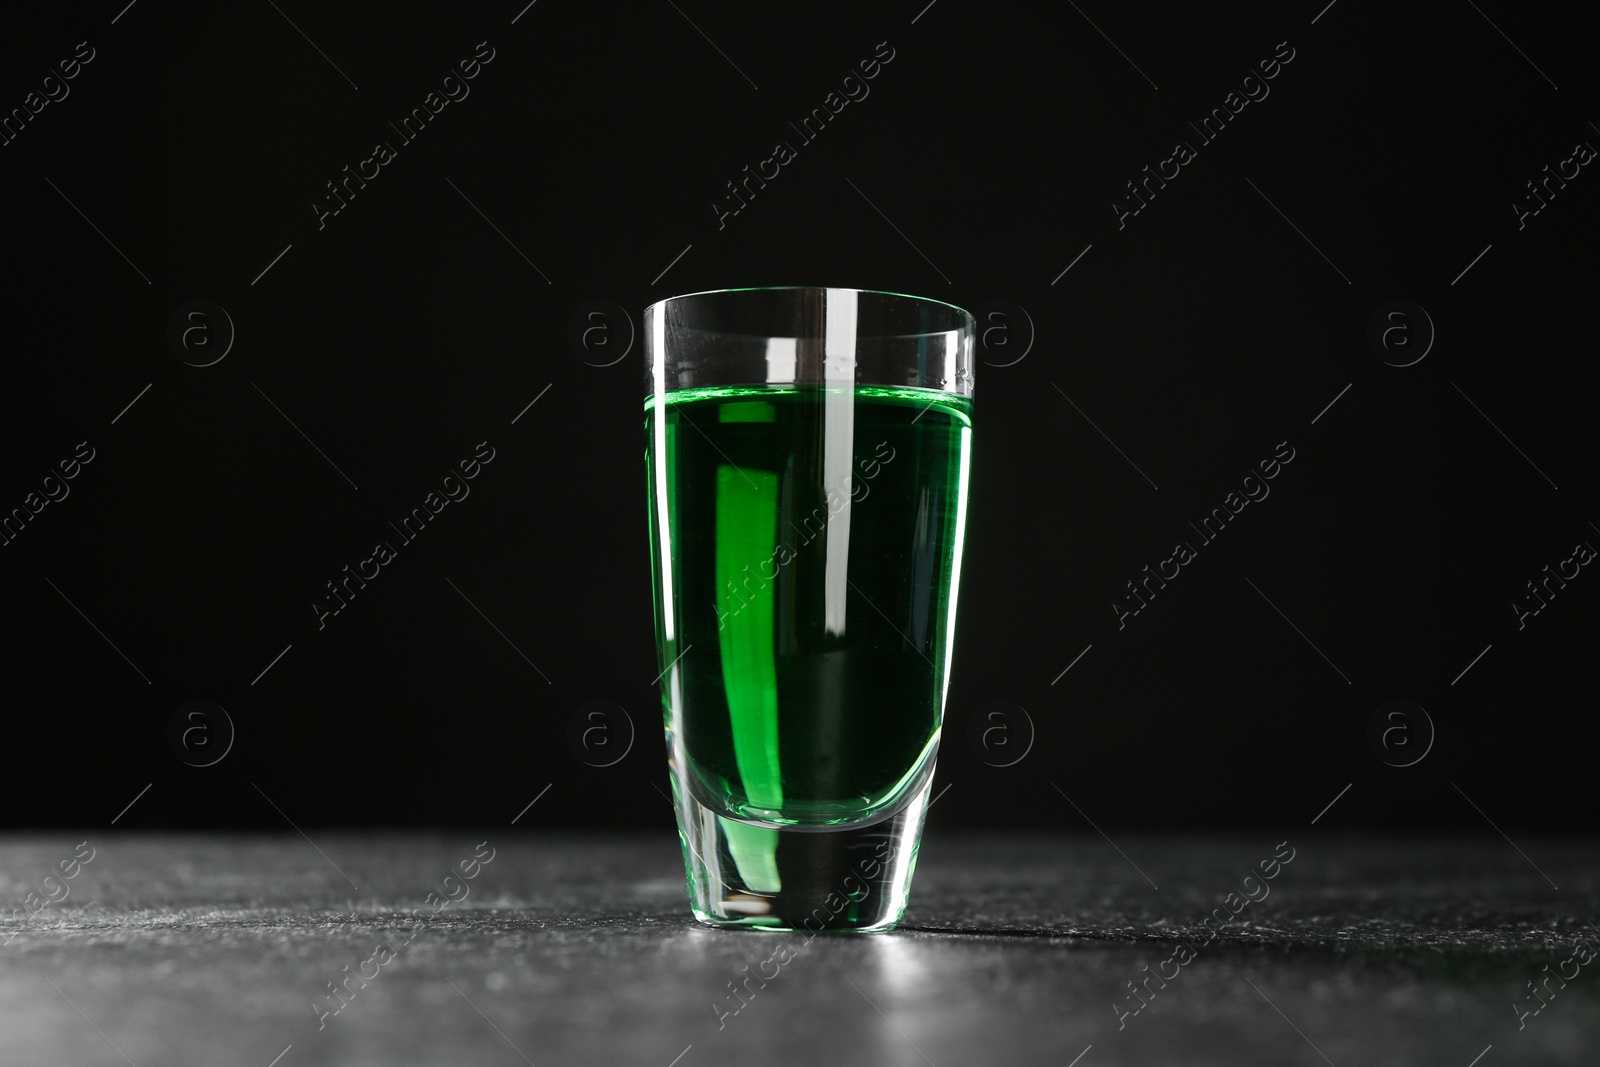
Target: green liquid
x=805 y=574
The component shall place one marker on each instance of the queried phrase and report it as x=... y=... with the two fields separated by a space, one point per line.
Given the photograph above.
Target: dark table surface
x=568 y=949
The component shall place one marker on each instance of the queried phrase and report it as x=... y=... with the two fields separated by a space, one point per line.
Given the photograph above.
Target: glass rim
x=970 y=320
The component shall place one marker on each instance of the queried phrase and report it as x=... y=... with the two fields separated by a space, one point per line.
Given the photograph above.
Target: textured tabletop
x=568 y=949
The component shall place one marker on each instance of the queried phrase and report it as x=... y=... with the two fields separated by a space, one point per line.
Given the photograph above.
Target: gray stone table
x=579 y=949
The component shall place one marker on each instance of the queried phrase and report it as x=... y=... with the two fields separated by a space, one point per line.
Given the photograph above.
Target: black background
x=407 y=329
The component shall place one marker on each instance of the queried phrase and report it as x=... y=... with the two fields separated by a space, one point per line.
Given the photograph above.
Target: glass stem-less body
x=807 y=454
x=813 y=536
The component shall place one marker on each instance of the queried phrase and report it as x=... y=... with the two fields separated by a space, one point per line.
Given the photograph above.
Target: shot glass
x=807 y=454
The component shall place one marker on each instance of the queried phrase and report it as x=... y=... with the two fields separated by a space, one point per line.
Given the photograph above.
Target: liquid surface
x=806 y=544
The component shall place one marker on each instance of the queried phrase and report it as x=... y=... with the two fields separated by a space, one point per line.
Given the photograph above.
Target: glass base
x=851 y=879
